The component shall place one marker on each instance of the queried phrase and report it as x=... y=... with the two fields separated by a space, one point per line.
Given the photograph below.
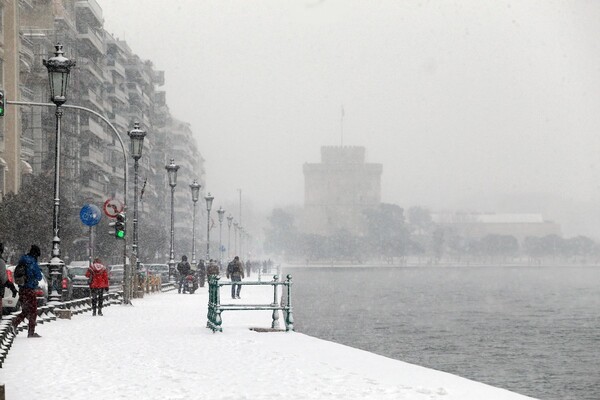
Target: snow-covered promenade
x=159 y=348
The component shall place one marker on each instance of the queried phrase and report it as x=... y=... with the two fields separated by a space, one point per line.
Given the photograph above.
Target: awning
x=26 y=168
x=2 y=163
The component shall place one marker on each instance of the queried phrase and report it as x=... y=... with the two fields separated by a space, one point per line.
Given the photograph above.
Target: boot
x=100 y=312
x=94 y=312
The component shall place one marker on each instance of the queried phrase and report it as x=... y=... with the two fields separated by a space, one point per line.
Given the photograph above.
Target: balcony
x=119 y=120
x=94 y=39
x=146 y=99
x=115 y=92
x=92 y=68
x=116 y=66
x=92 y=155
x=159 y=78
x=95 y=128
x=26 y=50
x=26 y=93
x=91 y=9
x=93 y=98
x=134 y=89
x=94 y=189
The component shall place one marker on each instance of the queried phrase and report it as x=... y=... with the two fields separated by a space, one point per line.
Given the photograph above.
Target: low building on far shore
x=478 y=225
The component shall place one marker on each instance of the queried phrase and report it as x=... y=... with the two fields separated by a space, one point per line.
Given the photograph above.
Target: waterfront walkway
x=160 y=348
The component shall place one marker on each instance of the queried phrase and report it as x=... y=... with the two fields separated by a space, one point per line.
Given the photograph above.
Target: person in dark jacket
x=213 y=268
x=27 y=291
x=184 y=269
x=201 y=273
x=235 y=270
x=98 y=274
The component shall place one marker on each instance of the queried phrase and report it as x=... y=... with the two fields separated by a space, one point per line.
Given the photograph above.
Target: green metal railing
x=215 y=308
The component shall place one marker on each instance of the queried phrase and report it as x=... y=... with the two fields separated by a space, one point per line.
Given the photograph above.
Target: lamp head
x=195 y=187
x=220 y=211
x=137 y=141
x=209 y=199
x=59 y=68
x=172 y=171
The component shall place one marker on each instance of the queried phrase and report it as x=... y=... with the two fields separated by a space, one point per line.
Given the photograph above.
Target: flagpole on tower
x=342 y=127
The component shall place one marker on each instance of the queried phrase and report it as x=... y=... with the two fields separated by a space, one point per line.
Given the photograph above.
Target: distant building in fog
x=338 y=189
x=476 y=226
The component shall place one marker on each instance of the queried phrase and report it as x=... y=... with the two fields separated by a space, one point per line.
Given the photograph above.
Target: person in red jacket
x=98 y=276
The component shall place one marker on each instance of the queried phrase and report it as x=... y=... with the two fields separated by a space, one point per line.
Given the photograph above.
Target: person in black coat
x=184 y=269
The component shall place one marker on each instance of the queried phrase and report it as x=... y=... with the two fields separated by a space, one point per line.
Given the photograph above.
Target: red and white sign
x=112 y=207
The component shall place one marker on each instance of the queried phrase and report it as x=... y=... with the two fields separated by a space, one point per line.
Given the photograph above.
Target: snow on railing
x=215 y=308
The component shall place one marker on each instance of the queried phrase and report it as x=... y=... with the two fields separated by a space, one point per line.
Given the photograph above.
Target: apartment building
x=110 y=79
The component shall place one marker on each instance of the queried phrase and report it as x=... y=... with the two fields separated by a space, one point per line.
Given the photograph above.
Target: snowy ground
x=159 y=348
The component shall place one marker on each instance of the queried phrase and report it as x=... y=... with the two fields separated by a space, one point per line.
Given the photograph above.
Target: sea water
x=532 y=330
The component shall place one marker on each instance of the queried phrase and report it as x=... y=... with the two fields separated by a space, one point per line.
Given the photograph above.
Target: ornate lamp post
x=235 y=232
x=195 y=186
x=209 y=199
x=137 y=145
x=241 y=231
x=172 y=172
x=229 y=221
x=220 y=211
x=59 y=68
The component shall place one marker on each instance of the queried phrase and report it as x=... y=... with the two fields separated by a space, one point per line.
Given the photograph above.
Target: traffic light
x=120 y=226
x=1 y=103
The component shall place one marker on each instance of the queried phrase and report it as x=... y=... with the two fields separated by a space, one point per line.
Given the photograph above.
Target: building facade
x=338 y=189
x=479 y=225
x=110 y=79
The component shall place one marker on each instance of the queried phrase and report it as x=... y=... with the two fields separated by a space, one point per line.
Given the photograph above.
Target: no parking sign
x=112 y=207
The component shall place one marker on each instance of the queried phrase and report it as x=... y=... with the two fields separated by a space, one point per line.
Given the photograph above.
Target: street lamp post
x=235 y=232
x=172 y=172
x=220 y=211
x=240 y=231
x=209 y=199
x=229 y=221
x=59 y=68
x=195 y=186
x=137 y=145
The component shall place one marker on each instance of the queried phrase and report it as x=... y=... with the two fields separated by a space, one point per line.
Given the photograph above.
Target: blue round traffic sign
x=90 y=214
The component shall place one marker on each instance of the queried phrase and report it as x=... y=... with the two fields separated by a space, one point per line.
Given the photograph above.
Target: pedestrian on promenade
x=212 y=269
x=27 y=295
x=98 y=278
x=201 y=273
x=235 y=270
x=184 y=268
x=4 y=282
x=248 y=268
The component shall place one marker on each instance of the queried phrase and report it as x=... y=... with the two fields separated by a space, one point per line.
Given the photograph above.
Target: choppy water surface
x=535 y=331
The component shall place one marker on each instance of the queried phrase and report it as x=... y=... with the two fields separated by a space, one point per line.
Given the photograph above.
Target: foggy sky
x=463 y=102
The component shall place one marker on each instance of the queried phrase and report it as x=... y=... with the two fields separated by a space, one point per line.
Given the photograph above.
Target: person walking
x=33 y=274
x=184 y=268
x=201 y=273
x=98 y=278
x=212 y=269
x=248 y=268
x=235 y=270
x=4 y=282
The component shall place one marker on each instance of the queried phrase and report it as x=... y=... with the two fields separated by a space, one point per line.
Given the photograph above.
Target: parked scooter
x=190 y=284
